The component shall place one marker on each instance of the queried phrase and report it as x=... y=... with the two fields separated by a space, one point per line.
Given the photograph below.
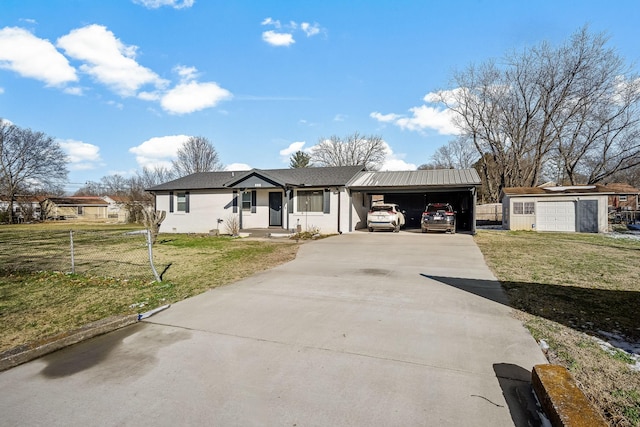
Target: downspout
x=350 y=211
x=339 y=211
x=473 y=211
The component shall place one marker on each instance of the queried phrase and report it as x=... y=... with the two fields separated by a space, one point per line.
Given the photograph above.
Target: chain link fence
x=125 y=255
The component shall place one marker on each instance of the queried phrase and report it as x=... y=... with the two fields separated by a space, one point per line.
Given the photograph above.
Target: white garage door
x=556 y=216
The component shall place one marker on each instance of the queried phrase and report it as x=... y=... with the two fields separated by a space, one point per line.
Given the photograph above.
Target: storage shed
x=579 y=208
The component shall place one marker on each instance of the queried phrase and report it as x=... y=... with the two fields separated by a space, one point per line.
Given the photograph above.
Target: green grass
x=567 y=287
x=36 y=303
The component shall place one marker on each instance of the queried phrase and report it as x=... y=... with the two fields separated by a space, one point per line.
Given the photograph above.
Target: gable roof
x=416 y=179
x=300 y=177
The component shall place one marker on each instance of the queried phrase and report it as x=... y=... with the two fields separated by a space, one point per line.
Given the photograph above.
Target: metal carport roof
x=414 y=180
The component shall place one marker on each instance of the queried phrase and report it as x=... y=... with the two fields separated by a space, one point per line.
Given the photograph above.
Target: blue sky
x=122 y=83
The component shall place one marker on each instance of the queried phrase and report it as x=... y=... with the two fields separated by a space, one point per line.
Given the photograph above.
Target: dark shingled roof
x=78 y=201
x=300 y=177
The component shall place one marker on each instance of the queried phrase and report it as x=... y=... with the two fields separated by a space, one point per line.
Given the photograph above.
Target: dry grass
x=38 y=304
x=568 y=287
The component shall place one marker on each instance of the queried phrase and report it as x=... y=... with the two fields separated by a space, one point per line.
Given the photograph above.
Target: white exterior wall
x=205 y=207
x=359 y=209
x=528 y=222
x=204 y=210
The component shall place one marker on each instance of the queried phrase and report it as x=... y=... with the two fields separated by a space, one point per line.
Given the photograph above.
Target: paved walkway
x=364 y=329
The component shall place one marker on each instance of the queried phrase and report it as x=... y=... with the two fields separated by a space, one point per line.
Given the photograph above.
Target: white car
x=385 y=216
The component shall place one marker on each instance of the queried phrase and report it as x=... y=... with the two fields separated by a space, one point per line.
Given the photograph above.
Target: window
x=524 y=208
x=622 y=198
x=182 y=199
x=311 y=201
x=246 y=200
x=518 y=208
x=182 y=202
x=529 y=208
x=80 y=210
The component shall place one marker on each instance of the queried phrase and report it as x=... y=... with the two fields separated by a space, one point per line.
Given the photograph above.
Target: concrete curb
x=562 y=401
x=27 y=352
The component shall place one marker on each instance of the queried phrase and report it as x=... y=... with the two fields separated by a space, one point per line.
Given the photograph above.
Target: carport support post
x=73 y=263
x=474 y=194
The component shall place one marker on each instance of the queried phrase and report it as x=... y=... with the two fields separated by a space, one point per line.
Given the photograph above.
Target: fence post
x=150 y=246
x=73 y=263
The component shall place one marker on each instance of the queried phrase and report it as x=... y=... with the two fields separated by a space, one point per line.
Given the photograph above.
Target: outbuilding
x=577 y=208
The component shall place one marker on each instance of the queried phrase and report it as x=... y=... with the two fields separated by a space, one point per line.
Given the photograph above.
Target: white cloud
x=310 y=29
x=292 y=148
x=339 y=118
x=423 y=117
x=154 y=4
x=238 y=167
x=81 y=156
x=269 y=21
x=32 y=57
x=108 y=60
x=193 y=96
x=278 y=39
x=186 y=73
x=158 y=151
x=284 y=35
x=395 y=162
x=1 y=90
x=385 y=118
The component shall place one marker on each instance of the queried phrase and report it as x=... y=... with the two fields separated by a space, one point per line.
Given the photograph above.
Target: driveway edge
x=27 y=352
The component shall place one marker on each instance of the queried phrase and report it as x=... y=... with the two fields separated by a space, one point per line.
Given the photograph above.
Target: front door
x=275 y=209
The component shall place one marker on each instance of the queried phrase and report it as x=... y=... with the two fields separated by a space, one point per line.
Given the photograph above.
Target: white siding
x=204 y=210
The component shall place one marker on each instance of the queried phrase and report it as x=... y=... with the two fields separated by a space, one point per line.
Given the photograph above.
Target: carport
x=413 y=190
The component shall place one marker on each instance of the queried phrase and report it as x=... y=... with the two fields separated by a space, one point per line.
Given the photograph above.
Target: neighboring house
x=25 y=208
x=581 y=208
x=626 y=197
x=326 y=199
x=75 y=207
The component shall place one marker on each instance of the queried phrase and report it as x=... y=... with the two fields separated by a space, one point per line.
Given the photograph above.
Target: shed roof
x=415 y=179
x=557 y=190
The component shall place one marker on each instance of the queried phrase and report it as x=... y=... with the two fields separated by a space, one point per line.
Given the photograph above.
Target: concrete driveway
x=364 y=329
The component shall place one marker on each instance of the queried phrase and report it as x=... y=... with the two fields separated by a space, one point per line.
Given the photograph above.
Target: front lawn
x=35 y=303
x=568 y=288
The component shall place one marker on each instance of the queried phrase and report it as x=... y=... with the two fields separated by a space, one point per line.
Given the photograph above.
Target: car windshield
x=379 y=208
x=437 y=208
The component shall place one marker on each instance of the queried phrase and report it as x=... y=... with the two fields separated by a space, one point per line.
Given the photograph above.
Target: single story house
x=75 y=207
x=581 y=208
x=25 y=208
x=323 y=199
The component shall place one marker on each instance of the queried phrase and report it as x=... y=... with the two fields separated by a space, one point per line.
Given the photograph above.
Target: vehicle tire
x=396 y=229
x=424 y=231
x=370 y=229
x=453 y=231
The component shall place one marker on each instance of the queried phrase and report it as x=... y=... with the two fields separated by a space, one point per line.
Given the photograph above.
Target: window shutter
x=235 y=201
x=170 y=201
x=327 y=202
x=186 y=202
x=253 y=201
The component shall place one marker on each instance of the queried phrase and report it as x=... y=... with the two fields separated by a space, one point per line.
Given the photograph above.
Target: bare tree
x=355 y=149
x=299 y=159
x=28 y=161
x=196 y=155
x=458 y=153
x=575 y=106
